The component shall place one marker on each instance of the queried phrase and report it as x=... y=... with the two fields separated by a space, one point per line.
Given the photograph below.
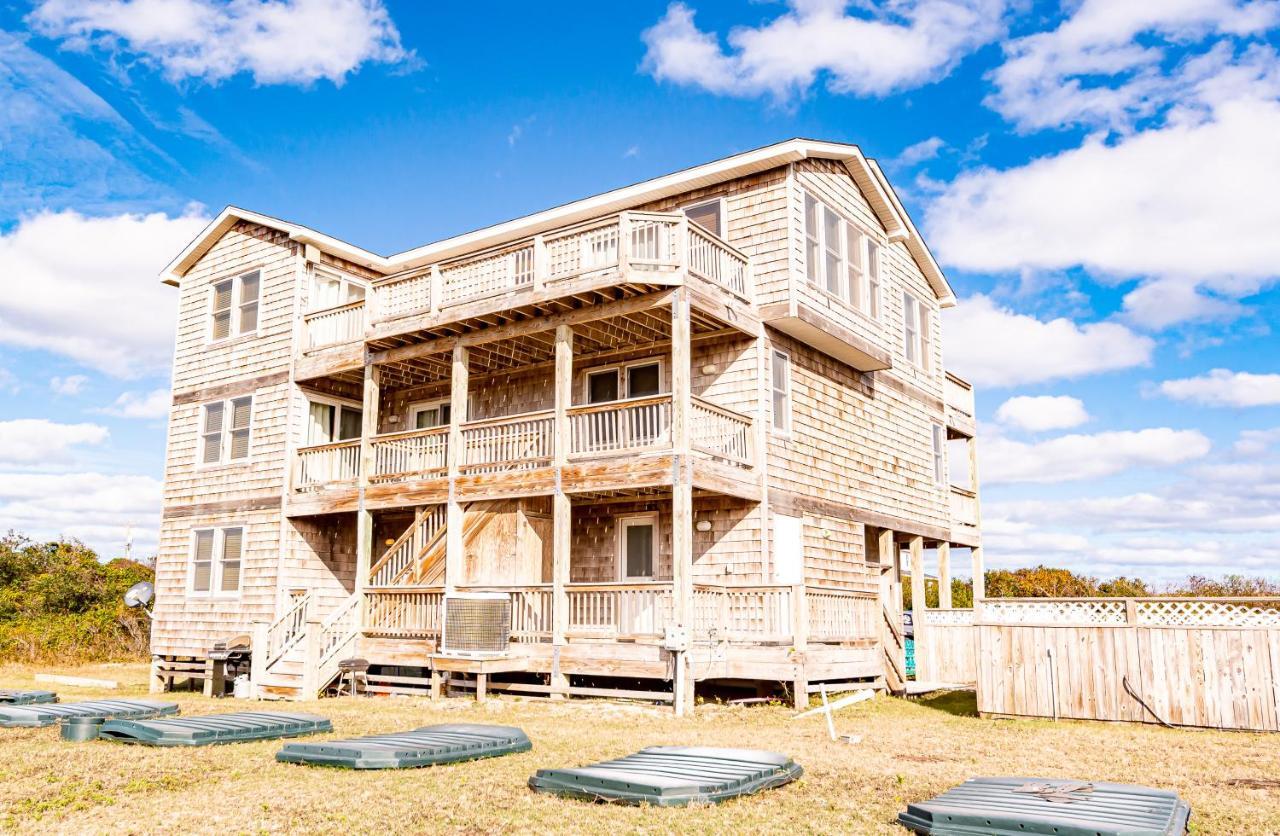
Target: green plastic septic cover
x=27 y=697
x=212 y=729
x=670 y=776
x=1003 y=806
x=427 y=746
x=50 y=713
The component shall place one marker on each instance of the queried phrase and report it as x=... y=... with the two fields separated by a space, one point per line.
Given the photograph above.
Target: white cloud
x=925 y=149
x=89 y=287
x=1043 y=412
x=1190 y=206
x=153 y=404
x=1107 y=64
x=9 y=381
x=1074 y=457
x=1223 y=387
x=93 y=507
x=69 y=385
x=1256 y=442
x=278 y=41
x=36 y=440
x=871 y=51
x=994 y=346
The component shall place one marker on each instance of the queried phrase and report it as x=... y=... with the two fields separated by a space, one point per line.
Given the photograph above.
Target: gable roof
x=865 y=172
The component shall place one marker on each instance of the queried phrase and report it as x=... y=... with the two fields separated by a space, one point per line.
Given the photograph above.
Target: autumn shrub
x=60 y=603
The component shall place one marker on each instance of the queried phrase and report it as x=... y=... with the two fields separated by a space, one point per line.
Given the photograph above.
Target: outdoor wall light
x=703 y=525
x=710 y=368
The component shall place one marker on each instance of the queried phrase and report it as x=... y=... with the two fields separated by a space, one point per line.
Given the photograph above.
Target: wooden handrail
x=619 y=586
x=352 y=305
x=608 y=406
x=720 y=410
x=508 y=419
x=404 y=434
x=332 y=445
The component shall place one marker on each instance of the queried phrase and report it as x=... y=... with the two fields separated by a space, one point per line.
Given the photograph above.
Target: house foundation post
x=453 y=555
x=682 y=500
x=562 y=511
x=944 y=576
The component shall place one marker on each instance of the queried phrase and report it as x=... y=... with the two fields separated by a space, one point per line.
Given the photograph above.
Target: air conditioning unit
x=476 y=624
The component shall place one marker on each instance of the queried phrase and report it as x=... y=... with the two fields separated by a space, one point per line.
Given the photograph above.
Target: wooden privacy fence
x=946 y=646
x=1206 y=662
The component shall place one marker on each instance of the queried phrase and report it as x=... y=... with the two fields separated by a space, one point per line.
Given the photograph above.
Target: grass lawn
x=910 y=750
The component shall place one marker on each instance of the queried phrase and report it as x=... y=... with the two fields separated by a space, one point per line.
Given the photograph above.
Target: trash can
x=81 y=729
x=242 y=688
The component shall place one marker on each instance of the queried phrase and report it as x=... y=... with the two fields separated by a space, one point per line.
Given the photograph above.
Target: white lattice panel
x=1054 y=612
x=1196 y=613
x=948 y=618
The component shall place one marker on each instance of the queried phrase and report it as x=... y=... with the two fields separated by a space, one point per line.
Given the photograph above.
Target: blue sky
x=1098 y=182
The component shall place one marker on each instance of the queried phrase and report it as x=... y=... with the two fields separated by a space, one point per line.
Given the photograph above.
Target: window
x=333 y=421
x=939 y=457
x=638 y=380
x=637 y=538
x=329 y=290
x=915 y=331
x=216 y=556
x=644 y=379
x=709 y=215
x=781 y=383
x=840 y=258
x=234 y=306
x=602 y=386
x=430 y=414
x=226 y=430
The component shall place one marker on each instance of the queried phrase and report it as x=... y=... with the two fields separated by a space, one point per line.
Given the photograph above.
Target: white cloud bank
x=1043 y=412
x=276 y=41
x=993 y=346
x=863 y=49
x=88 y=288
x=1223 y=387
x=150 y=405
x=1071 y=458
x=37 y=441
x=94 y=507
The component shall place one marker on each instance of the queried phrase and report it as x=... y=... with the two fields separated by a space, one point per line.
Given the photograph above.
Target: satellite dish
x=139 y=595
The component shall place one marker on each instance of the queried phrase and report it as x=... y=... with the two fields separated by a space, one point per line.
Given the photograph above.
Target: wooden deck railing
x=287 y=630
x=417 y=454
x=626 y=426
x=618 y=610
x=401 y=556
x=637 y=241
x=516 y=442
x=964 y=505
x=334 y=326
x=404 y=613
x=958 y=395
x=326 y=464
x=842 y=615
x=756 y=613
x=720 y=433
x=530 y=610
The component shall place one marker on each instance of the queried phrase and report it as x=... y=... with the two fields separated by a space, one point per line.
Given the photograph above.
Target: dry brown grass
x=909 y=751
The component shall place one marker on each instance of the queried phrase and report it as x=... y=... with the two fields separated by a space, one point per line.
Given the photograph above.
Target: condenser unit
x=476 y=624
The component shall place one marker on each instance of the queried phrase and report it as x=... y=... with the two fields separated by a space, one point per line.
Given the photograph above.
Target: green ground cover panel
x=213 y=729
x=1002 y=806
x=26 y=697
x=20 y=716
x=427 y=746
x=670 y=776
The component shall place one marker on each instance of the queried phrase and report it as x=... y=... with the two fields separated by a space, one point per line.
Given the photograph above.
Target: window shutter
x=212 y=435
x=706 y=215
x=202 y=562
x=232 y=548
x=221 y=310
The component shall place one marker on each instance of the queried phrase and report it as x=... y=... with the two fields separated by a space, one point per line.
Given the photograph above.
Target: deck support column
x=364 y=517
x=454 y=560
x=681 y=498
x=944 y=576
x=979 y=579
x=918 y=601
x=561 y=509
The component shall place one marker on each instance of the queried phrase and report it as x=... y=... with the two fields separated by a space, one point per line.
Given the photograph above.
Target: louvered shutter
x=232 y=548
x=240 y=414
x=212 y=433
x=202 y=562
x=222 y=310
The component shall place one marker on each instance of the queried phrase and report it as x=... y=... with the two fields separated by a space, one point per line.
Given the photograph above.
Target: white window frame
x=623 y=370
x=216 y=561
x=345 y=282
x=865 y=298
x=939 y=442
x=785 y=428
x=422 y=406
x=721 y=210
x=915 y=312
x=237 y=291
x=224 y=440
x=337 y=403
x=623 y=522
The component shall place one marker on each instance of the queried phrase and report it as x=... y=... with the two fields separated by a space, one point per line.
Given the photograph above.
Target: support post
x=918 y=602
x=561 y=508
x=681 y=492
x=453 y=556
x=364 y=517
x=156 y=680
x=258 y=658
x=979 y=580
x=800 y=643
x=944 y=576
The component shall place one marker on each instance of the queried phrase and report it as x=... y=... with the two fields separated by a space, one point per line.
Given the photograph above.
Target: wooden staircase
x=416 y=558
x=300 y=655
x=895 y=651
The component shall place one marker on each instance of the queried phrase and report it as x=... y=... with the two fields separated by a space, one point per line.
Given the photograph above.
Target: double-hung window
x=226 y=428
x=234 y=306
x=939 y=455
x=780 y=382
x=330 y=289
x=915 y=331
x=216 y=556
x=840 y=258
x=429 y=414
x=331 y=422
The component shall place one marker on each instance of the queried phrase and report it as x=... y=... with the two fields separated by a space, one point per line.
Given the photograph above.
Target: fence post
x=1130 y=612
